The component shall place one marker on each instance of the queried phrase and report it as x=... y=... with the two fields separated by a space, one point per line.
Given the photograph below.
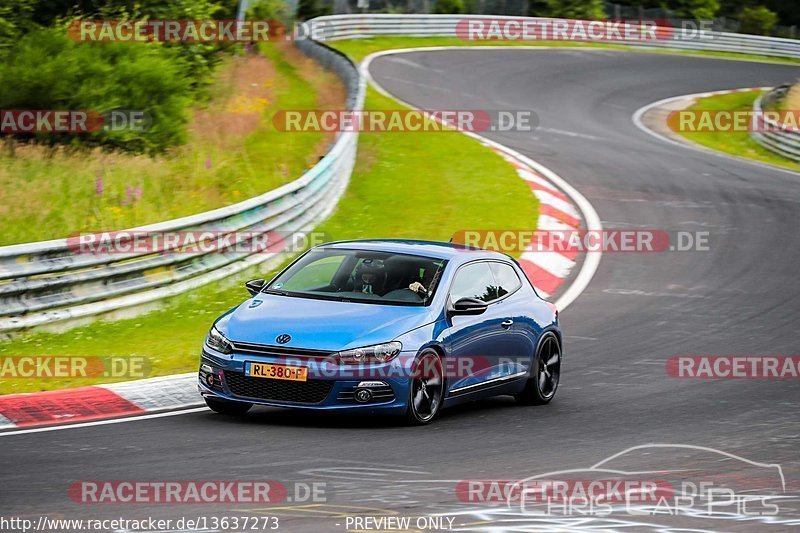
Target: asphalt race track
x=740 y=297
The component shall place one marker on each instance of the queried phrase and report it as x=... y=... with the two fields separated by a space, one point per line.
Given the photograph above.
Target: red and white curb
x=99 y=402
x=547 y=270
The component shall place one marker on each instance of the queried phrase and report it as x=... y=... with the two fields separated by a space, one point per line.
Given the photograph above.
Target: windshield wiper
x=275 y=291
x=314 y=296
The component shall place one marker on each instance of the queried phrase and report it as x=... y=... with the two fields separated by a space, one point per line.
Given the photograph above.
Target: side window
x=474 y=281
x=506 y=276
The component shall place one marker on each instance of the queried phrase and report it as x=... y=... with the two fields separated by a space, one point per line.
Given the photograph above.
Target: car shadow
x=280 y=417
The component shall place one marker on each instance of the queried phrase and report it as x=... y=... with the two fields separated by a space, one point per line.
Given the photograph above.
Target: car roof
x=437 y=250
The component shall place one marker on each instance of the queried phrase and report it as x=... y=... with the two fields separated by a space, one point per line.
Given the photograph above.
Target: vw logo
x=283 y=339
x=363 y=395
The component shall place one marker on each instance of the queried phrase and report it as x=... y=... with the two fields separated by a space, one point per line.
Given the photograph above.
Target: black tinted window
x=474 y=281
x=506 y=278
x=361 y=275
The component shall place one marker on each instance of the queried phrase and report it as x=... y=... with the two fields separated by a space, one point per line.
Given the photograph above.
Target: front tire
x=545 y=373
x=426 y=391
x=228 y=408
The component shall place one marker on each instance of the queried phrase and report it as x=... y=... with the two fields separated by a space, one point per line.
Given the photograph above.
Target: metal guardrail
x=48 y=281
x=337 y=27
x=773 y=135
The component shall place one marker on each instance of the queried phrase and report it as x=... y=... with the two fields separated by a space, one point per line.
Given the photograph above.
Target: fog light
x=363 y=395
x=372 y=384
x=210 y=380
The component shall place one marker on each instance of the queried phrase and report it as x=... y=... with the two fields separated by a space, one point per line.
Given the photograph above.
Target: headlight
x=217 y=341
x=380 y=353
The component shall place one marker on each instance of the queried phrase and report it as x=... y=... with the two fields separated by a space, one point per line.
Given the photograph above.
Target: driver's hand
x=417 y=287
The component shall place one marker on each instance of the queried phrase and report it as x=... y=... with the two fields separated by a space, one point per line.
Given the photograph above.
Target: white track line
x=105 y=422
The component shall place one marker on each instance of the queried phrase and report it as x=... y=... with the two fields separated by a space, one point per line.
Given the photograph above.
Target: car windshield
x=362 y=276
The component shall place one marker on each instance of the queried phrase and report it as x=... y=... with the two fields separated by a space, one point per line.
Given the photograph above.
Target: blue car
x=385 y=326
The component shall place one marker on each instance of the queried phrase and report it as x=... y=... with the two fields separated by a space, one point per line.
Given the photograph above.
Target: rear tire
x=228 y=408
x=545 y=373
x=426 y=391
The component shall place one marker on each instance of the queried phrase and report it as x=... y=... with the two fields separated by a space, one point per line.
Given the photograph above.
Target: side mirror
x=254 y=286
x=469 y=306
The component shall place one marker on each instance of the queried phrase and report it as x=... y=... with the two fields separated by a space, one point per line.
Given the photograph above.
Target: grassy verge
x=233 y=153
x=735 y=143
x=415 y=185
x=359 y=48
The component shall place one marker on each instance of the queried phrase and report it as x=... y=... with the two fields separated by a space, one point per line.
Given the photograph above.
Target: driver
x=370 y=278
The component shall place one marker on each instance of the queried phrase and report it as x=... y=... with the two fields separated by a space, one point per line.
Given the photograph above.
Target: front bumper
x=381 y=388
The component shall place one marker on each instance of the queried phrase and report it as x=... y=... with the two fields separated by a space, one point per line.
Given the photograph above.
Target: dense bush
x=309 y=9
x=576 y=9
x=269 y=10
x=448 y=6
x=47 y=70
x=18 y=17
x=41 y=68
x=695 y=9
x=757 y=20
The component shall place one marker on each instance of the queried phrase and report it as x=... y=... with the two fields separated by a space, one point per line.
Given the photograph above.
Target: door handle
x=507 y=323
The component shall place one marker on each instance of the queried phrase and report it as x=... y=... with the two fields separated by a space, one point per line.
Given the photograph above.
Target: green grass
x=415 y=185
x=47 y=196
x=360 y=48
x=735 y=143
x=427 y=186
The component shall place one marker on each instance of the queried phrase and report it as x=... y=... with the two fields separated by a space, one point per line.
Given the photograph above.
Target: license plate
x=266 y=370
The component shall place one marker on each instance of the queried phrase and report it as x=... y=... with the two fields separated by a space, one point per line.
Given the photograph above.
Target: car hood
x=320 y=324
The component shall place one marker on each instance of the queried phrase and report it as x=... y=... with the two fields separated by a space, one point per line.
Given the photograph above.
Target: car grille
x=311 y=391
x=263 y=349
